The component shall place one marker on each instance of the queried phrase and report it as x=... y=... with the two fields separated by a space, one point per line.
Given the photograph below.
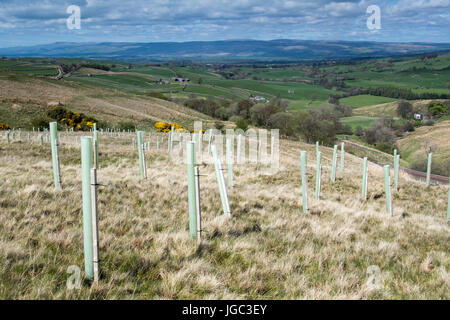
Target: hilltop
x=237 y=50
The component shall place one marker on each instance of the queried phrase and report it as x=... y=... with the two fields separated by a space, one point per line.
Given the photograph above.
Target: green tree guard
x=55 y=154
x=86 y=166
x=96 y=145
x=342 y=157
x=230 y=163
x=192 y=196
x=140 y=137
x=304 y=182
x=430 y=158
x=334 y=163
x=396 y=170
x=364 y=180
x=221 y=182
x=387 y=186
x=318 y=174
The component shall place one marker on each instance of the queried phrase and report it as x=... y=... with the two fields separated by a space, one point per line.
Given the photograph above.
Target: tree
x=222 y=113
x=359 y=132
x=241 y=124
x=200 y=80
x=437 y=108
x=379 y=133
x=404 y=109
x=282 y=121
x=260 y=113
x=317 y=125
x=243 y=108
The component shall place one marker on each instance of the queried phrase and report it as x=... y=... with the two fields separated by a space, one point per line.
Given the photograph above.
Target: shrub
x=429 y=123
x=385 y=147
x=207 y=106
x=379 y=134
x=437 y=108
x=282 y=121
x=440 y=166
x=222 y=113
x=158 y=95
x=234 y=118
x=167 y=127
x=359 y=132
x=317 y=125
x=4 y=126
x=345 y=129
x=408 y=127
x=241 y=124
x=219 y=125
x=78 y=121
x=404 y=109
x=40 y=123
x=342 y=111
x=127 y=125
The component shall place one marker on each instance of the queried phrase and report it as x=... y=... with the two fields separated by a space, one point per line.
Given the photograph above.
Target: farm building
x=181 y=79
x=259 y=99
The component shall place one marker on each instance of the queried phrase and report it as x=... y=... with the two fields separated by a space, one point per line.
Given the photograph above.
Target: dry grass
x=269 y=249
x=417 y=144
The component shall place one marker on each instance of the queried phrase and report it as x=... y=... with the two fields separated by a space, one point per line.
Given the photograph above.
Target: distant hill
x=231 y=50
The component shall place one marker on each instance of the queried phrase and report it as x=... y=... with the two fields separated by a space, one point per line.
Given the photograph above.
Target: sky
x=29 y=22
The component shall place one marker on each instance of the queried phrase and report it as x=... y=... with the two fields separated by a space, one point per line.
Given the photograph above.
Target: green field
x=362 y=121
x=303 y=86
x=365 y=100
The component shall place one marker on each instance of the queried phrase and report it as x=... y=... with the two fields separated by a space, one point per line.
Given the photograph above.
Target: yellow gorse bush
x=78 y=121
x=4 y=126
x=167 y=127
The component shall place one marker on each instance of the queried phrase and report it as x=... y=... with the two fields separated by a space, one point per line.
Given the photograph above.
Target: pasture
x=267 y=249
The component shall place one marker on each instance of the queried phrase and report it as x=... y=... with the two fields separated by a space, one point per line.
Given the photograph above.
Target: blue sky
x=26 y=22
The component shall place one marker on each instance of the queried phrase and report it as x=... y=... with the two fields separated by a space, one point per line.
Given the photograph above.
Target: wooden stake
x=387 y=186
x=342 y=157
x=304 y=182
x=95 y=258
x=334 y=164
x=199 y=209
x=318 y=175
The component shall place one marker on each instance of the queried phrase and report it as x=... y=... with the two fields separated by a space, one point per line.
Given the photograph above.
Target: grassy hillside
x=25 y=98
x=365 y=100
x=268 y=249
x=415 y=147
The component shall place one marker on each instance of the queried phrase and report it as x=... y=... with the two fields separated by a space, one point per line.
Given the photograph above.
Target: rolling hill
x=240 y=50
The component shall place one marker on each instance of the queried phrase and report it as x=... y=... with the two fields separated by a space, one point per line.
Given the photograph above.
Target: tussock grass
x=269 y=249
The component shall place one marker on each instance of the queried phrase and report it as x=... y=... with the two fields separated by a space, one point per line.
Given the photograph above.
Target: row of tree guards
x=90 y=165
